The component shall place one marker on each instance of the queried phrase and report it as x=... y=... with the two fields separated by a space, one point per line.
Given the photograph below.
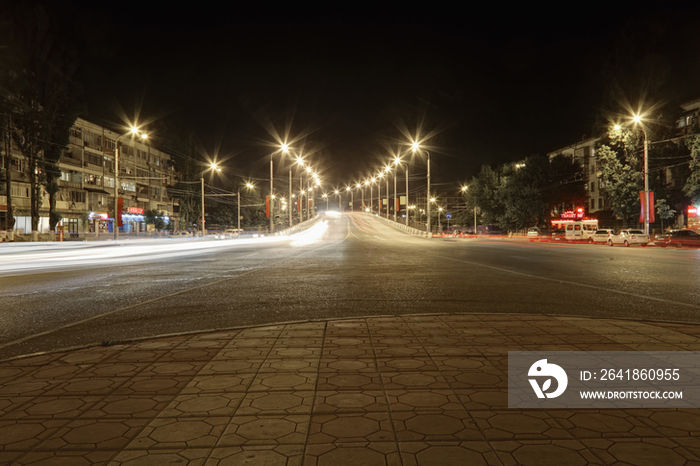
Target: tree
x=664 y=211
x=692 y=184
x=155 y=218
x=621 y=162
x=39 y=92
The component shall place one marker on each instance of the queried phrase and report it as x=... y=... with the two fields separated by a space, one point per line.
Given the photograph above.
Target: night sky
x=488 y=85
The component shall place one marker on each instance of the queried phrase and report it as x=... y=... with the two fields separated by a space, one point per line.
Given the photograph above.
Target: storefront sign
x=134 y=210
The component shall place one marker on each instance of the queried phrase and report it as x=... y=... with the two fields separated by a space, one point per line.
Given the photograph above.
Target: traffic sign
x=448 y=215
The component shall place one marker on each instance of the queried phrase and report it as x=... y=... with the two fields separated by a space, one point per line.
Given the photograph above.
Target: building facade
x=584 y=152
x=86 y=198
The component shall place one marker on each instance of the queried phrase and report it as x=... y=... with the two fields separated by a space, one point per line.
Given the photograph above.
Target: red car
x=680 y=238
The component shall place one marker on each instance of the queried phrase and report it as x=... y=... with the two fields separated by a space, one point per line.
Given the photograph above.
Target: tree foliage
x=518 y=196
x=692 y=184
x=621 y=161
x=40 y=96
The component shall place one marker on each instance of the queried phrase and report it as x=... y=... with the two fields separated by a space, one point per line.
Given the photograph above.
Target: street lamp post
x=416 y=148
x=212 y=167
x=637 y=119
x=340 y=205
x=249 y=186
x=325 y=196
x=134 y=131
x=363 y=196
x=272 y=204
x=387 y=169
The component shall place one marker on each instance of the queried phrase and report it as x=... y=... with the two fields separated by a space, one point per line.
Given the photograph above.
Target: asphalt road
x=357 y=267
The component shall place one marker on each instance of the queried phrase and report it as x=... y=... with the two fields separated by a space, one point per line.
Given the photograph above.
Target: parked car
x=181 y=234
x=559 y=236
x=661 y=239
x=601 y=236
x=539 y=234
x=682 y=238
x=630 y=237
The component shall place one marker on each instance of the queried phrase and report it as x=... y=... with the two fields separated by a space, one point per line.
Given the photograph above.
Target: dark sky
x=488 y=84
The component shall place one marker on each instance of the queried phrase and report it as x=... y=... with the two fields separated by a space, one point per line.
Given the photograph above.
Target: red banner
x=299 y=205
x=397 y=204
x=652 y=217
x=120 y=206
x=267 y=206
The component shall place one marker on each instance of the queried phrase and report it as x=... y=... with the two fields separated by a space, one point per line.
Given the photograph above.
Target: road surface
x=355 y=265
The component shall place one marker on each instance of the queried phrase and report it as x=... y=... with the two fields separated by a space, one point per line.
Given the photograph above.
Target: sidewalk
x=411 y=390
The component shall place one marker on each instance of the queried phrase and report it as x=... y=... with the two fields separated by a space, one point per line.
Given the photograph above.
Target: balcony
x=71 y=161
x=69 y=184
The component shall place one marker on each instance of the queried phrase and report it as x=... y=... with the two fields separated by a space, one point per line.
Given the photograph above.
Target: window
x=592 y=203
x=20 y=190
x=76 y=132
x=72 y=225
x=158 y=161
x=93 y=179
x=600 y=203
x=94 y=159
x=109 y=144
x=128 y=185
x=76 y=196
x=593 y=186
x=19 y=165
x=92 y=140
x=109 y=182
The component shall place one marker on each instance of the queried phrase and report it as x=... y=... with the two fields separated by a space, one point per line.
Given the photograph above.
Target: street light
x=284 y=149
x=134 y=131
x=340 y=206
x=364 y=209
x=249 y=186
x=416 y=148
x=325 y=196
x=214 y=167
x=352 y=197
x=397 y=161
x=637 y=121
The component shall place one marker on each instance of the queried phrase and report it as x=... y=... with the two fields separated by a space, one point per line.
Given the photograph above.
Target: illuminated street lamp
x=352 y=197
x=416 y=148
x=387 y=169
x=215 y=168
x=397 y=161
x=340 y=206
x=249 y=186
x=637 y=121
x=325 y=196
x=134 y=131
x=363 y=196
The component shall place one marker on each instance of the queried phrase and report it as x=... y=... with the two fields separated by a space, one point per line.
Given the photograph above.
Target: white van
x=232 y=233
x=580 y=231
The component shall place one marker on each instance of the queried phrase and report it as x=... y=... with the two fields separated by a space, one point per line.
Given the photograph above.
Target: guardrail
x=404 y=228
x=299 y=227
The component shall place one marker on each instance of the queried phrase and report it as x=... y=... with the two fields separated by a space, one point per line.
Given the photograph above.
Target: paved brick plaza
x=412 y=390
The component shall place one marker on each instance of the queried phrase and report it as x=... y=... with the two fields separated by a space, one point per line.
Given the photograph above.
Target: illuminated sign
x=692 y=210
x=572 y=215
x=134 y=210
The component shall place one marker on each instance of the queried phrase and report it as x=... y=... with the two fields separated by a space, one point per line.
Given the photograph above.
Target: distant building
x=85 y=201
x=584 y=152
x=689 y=121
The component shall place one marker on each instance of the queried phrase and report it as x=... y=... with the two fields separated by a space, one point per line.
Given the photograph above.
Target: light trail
x=37 y=258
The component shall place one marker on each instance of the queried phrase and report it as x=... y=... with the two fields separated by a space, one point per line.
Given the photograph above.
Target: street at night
x=359 y=266
x=291 y=235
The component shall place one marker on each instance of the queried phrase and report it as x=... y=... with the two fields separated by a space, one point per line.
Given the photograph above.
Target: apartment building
x=584 y=152
x=87 y=184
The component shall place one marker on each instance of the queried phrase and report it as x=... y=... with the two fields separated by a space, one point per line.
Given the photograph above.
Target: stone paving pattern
x=410 y=390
